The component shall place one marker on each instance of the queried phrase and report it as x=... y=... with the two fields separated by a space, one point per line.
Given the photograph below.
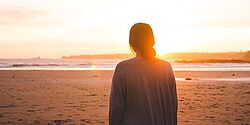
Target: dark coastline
x=212 y=61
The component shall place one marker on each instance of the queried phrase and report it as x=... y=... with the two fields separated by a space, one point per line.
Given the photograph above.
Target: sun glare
x=164 y=44
x=176 y=39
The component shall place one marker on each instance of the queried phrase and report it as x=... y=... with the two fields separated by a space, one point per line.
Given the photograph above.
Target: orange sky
x=52 y=28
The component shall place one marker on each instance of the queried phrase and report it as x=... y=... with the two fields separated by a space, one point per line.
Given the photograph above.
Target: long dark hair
x=141 y=38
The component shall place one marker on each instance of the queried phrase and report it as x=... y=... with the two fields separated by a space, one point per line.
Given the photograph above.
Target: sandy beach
x=81 y=97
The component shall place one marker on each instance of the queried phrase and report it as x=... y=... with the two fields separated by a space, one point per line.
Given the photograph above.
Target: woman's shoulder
x=136 y=63
x=124 y=63
x=163 y=62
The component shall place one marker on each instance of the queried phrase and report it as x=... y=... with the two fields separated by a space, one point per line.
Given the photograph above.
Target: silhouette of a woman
x=143 y=88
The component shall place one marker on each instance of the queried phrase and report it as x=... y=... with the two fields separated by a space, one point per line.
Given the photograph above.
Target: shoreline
x=103 y=70
x=179 y=75
x=112 y=69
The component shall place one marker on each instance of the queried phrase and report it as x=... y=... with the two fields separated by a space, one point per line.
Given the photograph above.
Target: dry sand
x=81 y=97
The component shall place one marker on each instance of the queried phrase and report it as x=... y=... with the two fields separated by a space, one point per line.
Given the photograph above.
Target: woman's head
x=141 y=40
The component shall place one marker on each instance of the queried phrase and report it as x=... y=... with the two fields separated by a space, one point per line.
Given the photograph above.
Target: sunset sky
x=53 y=28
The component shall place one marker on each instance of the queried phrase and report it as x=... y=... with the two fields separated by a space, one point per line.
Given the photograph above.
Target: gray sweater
x=143 y=93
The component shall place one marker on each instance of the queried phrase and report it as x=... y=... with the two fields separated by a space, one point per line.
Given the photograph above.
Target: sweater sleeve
x=117 y=99
x=174 y=94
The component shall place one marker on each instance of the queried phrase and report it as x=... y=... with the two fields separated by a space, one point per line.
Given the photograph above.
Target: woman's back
x=143 y=93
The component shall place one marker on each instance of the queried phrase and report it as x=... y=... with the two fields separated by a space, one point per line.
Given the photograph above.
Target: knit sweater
x=143 y=92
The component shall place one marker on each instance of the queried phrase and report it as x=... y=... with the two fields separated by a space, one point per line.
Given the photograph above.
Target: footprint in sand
x=7 y=106
x=61 y=122
x=94 y=94
x=20 y=120
x=30 y=110
x=85 y=120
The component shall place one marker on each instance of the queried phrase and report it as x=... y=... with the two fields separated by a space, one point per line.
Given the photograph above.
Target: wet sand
x=81 y=97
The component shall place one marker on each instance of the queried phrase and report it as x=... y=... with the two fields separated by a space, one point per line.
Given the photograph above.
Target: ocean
x=108 y=64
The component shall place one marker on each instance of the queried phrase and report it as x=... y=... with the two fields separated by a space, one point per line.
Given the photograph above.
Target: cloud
x=20 y=16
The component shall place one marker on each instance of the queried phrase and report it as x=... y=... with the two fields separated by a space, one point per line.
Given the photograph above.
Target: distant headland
x=100 y=56
x=180 y=57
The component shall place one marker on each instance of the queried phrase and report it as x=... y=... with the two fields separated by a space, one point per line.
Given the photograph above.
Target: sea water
x=108 y=64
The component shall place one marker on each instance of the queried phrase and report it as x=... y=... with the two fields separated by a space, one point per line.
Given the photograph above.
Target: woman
x=143 y=88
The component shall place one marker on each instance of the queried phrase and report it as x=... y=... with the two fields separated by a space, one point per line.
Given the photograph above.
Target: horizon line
x=106 y=54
